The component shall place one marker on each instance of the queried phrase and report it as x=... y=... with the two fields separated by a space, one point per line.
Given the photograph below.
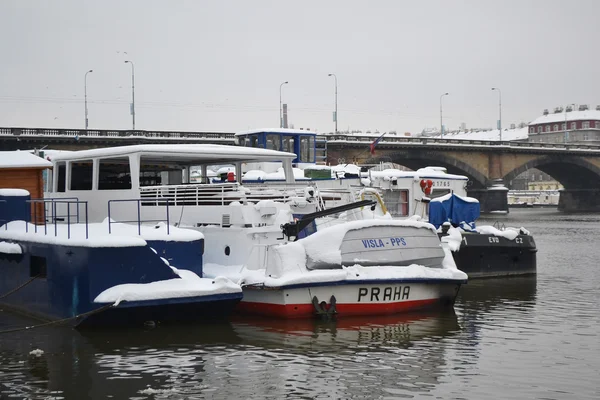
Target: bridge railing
x=353 y=139
x=116 y=134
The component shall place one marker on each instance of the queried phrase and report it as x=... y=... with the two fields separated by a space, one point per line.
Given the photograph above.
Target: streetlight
x=335 y=118
x=132 y=91
x=85 y=97
x=441 y=120
x=280 y=112
x=499 y=111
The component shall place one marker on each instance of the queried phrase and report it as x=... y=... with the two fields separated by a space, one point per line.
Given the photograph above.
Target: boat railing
x=139 y=219
x=70 y=203
x=209 y=194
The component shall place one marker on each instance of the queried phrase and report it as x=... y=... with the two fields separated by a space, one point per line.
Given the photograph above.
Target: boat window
x=81 y=175
x=251 y=141
x=153 y=172
x=48 y=179
x=273 y=142
x=288 y=144
x=114 y=174
x=396 y=202
x=61 y=171
x=307 y=149
x=439 y=192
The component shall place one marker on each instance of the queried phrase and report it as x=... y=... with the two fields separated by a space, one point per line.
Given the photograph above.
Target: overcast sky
x=218 y=65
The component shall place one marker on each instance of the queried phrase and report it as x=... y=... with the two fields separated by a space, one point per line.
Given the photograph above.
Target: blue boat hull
x=56 y=282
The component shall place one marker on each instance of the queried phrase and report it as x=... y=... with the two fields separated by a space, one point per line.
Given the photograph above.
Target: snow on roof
x=570 y=116
x=493 y=134
x=276 y=130
x=430 y=172
x=22 y=159
x=185 y=153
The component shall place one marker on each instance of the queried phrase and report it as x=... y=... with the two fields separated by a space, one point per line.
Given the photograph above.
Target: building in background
x=571 y=124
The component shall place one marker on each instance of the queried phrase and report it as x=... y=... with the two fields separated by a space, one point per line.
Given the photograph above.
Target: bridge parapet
x=492 y=145
x=175 y=136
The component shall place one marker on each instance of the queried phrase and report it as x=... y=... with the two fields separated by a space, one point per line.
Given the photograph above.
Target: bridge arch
x=415 y=159
x=571 y=171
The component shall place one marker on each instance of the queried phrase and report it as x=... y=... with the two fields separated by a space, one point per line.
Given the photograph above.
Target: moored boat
x=369 y=267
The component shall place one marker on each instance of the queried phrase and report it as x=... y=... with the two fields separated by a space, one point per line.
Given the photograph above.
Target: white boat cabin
x=141 y=180
x=404 y=191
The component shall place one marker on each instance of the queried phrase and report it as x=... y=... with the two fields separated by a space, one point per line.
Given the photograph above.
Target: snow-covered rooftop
x=493 y=134
x=184 y=153
x=574 y=115
x=22 y=159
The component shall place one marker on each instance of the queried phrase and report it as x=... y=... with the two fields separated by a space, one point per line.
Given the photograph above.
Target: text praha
x=389 y=293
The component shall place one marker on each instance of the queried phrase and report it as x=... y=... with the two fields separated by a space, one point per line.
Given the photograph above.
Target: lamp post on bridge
x=280 y=112
x=132 y=91
x=441 y=119
x=335 y=115
x=499 y=111
x=85 y=97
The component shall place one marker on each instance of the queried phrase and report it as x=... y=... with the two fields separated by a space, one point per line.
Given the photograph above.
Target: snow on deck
x=10 y=248
x=189 y=285
x=22 y=159
x=286 y=264
x=123 y=235
x=14 y=192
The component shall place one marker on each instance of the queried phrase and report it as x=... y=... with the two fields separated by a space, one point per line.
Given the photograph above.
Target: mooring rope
x=60 y=321
x=19 y=287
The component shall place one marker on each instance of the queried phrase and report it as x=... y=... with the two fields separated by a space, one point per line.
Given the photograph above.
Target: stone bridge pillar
x=495 y=196
x=579 y=200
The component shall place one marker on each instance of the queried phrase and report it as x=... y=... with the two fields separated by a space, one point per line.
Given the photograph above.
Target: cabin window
x=81 y=175
x=273 y=142
x=251 y=141
x=396 y=202
x=48 y=179
x=307 y=149
x=114 y=174
x=61 y=171
x=153 y=172
x=288 y=144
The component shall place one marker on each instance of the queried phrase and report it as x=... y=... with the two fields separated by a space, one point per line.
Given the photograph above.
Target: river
x=516 y=338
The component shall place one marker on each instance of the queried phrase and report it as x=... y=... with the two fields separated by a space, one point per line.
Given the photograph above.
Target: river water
x=518 y=338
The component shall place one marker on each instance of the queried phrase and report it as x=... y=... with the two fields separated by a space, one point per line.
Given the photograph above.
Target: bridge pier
x=579 y=200
x=493 y=198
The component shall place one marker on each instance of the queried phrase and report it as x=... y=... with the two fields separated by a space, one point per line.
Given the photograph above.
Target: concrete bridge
x=487 y=164
x=79 y=139
x=576 y=167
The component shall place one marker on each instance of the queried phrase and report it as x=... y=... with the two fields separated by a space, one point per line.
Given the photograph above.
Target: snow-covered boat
x=357 y=267
x=56 y=266
x=441 y=198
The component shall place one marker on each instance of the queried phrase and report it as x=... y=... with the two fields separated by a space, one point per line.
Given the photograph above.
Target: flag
x=372 y=145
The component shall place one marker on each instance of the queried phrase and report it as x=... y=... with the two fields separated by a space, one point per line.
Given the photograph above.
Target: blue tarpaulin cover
x=454 y=209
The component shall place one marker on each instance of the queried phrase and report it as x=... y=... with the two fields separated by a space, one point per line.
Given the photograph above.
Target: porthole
x=227 y=250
